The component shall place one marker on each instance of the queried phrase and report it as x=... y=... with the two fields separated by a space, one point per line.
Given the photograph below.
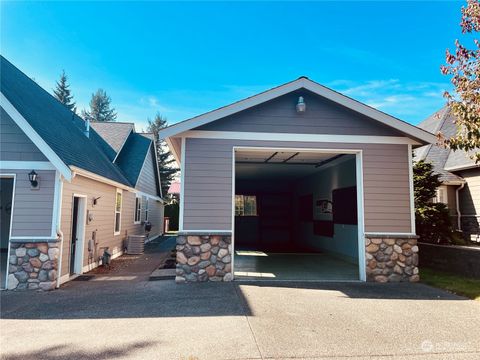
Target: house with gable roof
x=69 y=189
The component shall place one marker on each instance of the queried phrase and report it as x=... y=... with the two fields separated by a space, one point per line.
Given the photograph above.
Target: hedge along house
x=296 y=183
x=68 y=190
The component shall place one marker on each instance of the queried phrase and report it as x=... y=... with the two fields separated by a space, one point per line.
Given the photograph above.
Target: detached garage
x=296 y=183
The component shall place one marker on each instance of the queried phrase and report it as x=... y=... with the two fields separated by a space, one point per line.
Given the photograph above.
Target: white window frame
x=441 y=196
x=146 y=209
x=119 y=191
x=137 y=213
x=243 y=203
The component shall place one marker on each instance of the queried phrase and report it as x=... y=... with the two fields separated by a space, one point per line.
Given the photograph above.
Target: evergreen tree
x=432 y=220
x=100 y=108
x=166 y=162
x=63 y=93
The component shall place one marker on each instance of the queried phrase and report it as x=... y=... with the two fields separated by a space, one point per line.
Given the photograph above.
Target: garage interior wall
x=344 y=240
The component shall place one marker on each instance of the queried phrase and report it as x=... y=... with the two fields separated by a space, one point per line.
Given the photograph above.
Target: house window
x=245 y=205
x=118 y=212
x=146 y=209
x=138 y=210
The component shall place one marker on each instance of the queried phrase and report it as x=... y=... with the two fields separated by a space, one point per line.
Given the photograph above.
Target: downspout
x=459 y=214
x=59 y=230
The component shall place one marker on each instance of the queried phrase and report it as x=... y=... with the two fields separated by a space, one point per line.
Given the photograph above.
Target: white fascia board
x=228 y=110
x=143 y=165
x=93 y=176
x=462 y=167
x=156 y=166
x=154 y=142
x=172 y=149
x=345 y=139
x=27 y=165
x=90 y=175
x=123 y=144
x=153 y=197
x=307 y=84
x=35 y=138
x=369 y=111
x=454 y=182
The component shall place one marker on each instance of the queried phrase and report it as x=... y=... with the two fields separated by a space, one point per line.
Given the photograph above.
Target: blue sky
x=183 y=59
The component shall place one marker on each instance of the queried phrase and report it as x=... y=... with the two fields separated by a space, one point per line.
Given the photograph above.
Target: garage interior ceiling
x=270 y=164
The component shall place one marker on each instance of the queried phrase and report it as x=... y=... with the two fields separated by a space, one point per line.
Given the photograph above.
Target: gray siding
x=14 y=144
x=208 y=183
x=469 y=196
x=32 y=209
x=147 y=181
x=322 y=117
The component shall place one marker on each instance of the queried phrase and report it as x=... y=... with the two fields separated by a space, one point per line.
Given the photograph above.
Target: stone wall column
x=204 y=257
x=33 y=265
x=391 y=258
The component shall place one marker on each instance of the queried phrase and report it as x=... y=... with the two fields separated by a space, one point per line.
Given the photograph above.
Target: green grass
x=453 y=283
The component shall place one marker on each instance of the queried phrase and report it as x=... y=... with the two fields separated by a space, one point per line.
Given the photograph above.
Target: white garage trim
x=300 y=83
x=360 y=197
x=326 y=138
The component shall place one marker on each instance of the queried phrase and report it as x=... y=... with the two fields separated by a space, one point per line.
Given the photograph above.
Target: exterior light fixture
x=301 y=106
x=33 y=177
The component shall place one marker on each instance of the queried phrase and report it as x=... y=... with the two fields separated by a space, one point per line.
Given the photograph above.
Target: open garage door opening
x=295 y=215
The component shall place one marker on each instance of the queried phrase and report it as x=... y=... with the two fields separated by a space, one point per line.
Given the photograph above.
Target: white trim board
x=36 y=139
x=360 y=198
x=411 y=189
x=172 y=149
x=143 y=165
x=159 y=182
x=205 y=232
x=90 y=175
x=462 y=167
x=386 y=233
x=301 y=83
x=324 y=138
x=26 y=165
x=182 y=186
x=123 y=144
x=14 y=177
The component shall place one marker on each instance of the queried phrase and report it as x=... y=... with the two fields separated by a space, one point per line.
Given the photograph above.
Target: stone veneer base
x=391 y=258
x=204 y=257
x=33 y=266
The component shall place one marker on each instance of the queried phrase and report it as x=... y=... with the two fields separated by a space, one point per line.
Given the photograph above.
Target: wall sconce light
x=95 y=201
x=301 y=106
x=33 y=177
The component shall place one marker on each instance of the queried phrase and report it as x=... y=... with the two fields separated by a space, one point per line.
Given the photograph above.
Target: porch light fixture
x=301 y=106
x=33 y=177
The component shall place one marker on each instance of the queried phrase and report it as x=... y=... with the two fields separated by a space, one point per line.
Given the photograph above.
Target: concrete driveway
x=127 y=319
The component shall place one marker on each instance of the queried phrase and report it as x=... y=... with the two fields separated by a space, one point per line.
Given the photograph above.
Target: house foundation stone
x=33 y=265
x=391 y=258
x=204 y=257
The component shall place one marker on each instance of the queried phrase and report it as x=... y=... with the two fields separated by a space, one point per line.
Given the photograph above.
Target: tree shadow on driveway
x=58 y=352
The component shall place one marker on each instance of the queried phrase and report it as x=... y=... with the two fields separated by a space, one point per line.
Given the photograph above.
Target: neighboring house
x=459 y=174
x=296 y=169
x=67 y=190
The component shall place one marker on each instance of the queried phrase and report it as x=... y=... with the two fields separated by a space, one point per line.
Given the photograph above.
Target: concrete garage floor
x=257 y=265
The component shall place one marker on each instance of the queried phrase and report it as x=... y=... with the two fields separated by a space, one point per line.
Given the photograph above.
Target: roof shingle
x=59 y=127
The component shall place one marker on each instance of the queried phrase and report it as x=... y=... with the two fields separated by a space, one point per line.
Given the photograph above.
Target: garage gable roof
x=300 y=83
